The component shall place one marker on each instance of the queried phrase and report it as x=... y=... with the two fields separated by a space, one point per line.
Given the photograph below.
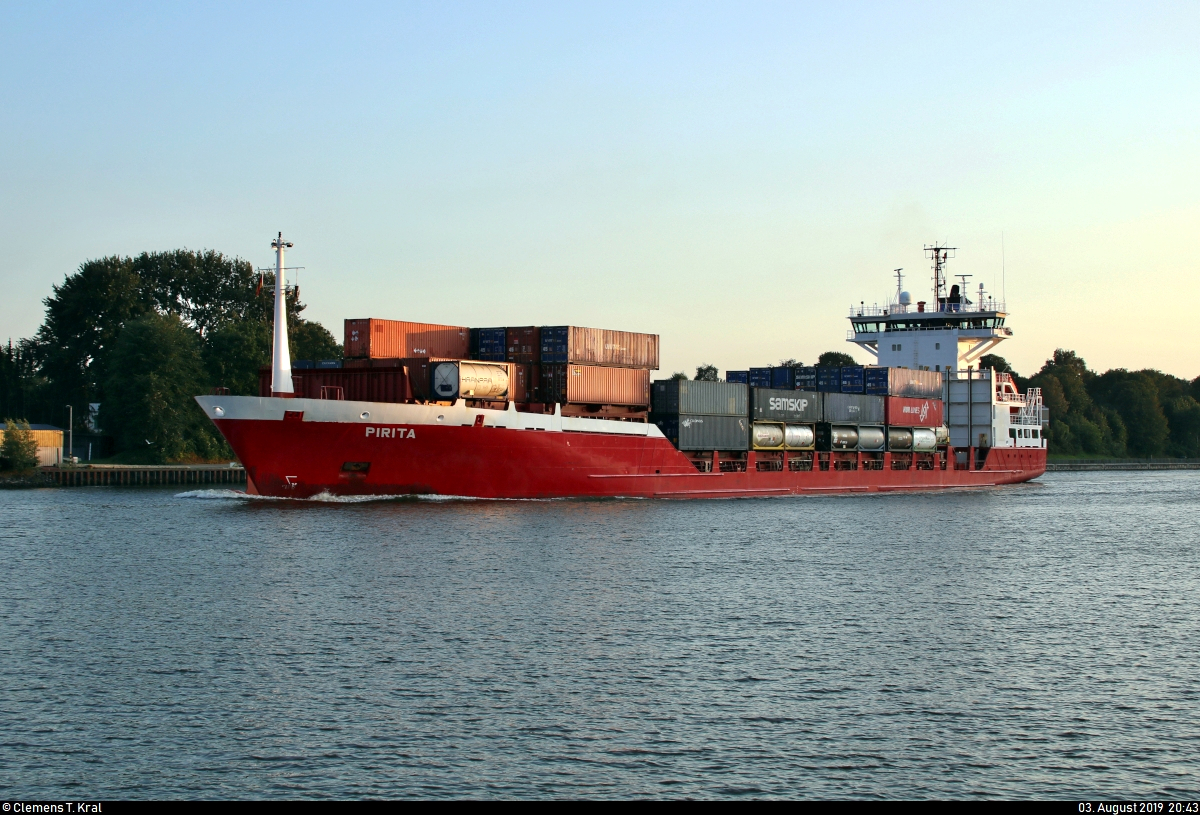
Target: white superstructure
x=950 y=333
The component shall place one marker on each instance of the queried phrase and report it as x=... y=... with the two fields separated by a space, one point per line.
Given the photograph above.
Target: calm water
x=1030 y=641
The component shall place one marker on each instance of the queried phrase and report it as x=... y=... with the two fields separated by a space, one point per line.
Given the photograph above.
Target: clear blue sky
x=731 y=177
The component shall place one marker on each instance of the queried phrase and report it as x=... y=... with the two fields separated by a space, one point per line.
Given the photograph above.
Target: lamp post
x=70 y=432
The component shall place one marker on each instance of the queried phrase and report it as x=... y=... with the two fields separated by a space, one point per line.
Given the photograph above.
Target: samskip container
x=598 y=346
x=852 y=408
x=760 y=377
x=806 y=378
x=395 y=338
x=786 y=406
x=901 y=410
x=700 y=398
x=595 y=385
x=741 y=377
x=703 y=433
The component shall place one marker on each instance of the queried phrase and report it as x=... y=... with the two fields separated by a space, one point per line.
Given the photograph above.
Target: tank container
x=469 y=380
x=760 y=377
x=871 y=438
x=899 y=438
x=852 y=379
x=742 y=377
x=786 y=406
x=783 y=378
x=598 y=346
x=703 y=433
x=766 y=436
x=806 y=378
x=829 y=379
x=595 y=385
x=799 y=436
x=908 y=412
x=699 y=398
x=836 y=437
x=924 y=440
x=373 y=337
x=852 y=408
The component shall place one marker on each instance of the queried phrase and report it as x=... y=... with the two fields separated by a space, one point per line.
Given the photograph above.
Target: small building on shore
x=49 y=442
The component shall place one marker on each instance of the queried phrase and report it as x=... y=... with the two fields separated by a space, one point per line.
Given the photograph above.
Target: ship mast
x=281 y=357
x=940 y=254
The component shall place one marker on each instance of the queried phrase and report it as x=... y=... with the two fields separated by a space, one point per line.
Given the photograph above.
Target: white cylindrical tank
x=871 y=438
x=798 y=435
x=480 y=381
x=924 y=440
x=766 y=435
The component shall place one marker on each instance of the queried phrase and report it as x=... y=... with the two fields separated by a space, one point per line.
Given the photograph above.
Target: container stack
x=702 y=416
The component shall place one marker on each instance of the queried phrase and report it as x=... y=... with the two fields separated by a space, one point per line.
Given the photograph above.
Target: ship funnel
x=281 y=357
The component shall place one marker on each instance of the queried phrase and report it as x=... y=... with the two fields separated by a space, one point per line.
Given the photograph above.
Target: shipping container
x=303 y=364
x=522 y=382
x=871 y=437
x=852 y=408
x=598 y=346
x=799 y=436
x=523 y=344
x=466 y=379
x=489 y=344
x=852 y=379
x=701 y=398
x=355 y=384
x=924 y=440
x=395 y=338
x=328 y=363
x=884 y=381
x=595 y=385
x=829 y=379
x=806 y=378
x=906 y=412
x=786 y=406
x=704 y=433
x=783 y=378
x=740 y=377
x=836 y=437
x=760 y=377
x=766 y=436
x=356 y=362
x=900 y=439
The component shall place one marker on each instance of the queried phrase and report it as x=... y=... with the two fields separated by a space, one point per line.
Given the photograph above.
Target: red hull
x=295 y=457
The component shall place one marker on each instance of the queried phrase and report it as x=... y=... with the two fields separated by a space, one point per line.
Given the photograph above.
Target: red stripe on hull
x=300 y=459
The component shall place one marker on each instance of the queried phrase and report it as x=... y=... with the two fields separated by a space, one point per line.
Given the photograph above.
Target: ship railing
x=988 y=305
x=334 y=392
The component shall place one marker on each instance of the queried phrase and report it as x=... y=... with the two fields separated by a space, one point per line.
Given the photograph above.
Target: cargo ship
x=571 y=412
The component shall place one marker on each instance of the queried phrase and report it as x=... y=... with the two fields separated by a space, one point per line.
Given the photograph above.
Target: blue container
x=742 y=377
x=303 y=365
x=829 y=380
x=554 y=342
x=875 y=381
x=329 y=363
x=852 y=379
x=783 y=379
x=806 y=378
x=760 y=377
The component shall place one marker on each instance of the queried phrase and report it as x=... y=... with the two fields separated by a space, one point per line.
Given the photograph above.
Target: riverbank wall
x=1092 y=464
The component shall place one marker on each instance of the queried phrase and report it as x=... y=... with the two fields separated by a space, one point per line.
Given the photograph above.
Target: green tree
x=835 y=359
x=790 y=362
x=19 y=449
x=234 y=353
x=1134 y=396
x=679 y=375
x=309 y=340
x=707 y=373
x=157 y=369
x=1183 y=417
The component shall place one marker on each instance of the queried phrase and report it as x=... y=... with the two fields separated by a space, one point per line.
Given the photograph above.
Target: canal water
x=1029 y=641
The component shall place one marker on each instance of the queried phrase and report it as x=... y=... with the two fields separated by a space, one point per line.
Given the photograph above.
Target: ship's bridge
x=953 y=337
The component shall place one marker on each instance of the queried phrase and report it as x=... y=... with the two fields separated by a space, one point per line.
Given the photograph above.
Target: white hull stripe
x=263 y=408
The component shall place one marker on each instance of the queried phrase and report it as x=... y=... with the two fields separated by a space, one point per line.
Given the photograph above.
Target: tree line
x=143 y=335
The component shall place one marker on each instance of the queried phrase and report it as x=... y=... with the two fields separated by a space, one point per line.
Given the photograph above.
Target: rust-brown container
x=521 y=382
x=381 y=339
x=598 y=346
x=595 y=385
x=353 y=384
x=522 y=344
